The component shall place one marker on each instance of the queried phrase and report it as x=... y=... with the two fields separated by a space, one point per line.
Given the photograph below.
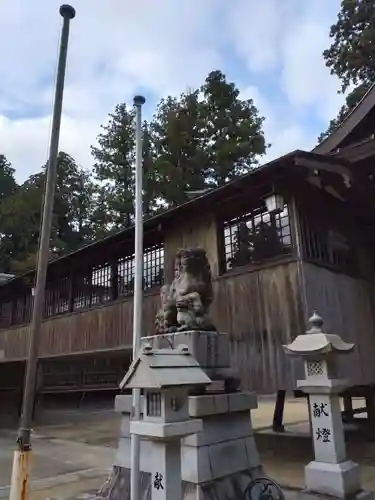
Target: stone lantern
x=331 y=473
x=166 y=376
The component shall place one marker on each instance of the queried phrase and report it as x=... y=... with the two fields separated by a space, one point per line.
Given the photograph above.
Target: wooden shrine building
x=270 y=271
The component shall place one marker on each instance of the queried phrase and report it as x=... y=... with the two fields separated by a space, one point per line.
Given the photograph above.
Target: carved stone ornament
x=185 y=303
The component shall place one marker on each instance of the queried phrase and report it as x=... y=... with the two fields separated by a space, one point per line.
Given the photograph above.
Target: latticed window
x=256 y=236
x=5 y=314
x=101 y=284
x=153 y=270
x=327 y=246
x=57 y=297
x=86 y=286
x=315 y=368
x=153 y=404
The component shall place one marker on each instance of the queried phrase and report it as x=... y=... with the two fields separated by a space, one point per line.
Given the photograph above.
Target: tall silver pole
x=21 y=464
x=138 y=292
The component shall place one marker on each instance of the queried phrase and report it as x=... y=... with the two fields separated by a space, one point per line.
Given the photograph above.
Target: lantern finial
x=316 y=323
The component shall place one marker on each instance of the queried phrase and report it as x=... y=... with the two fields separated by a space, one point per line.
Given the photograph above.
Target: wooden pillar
x=71 y=292
x=278 y=415
x=370 y=406
x=13 y=309
x=114 y=280
x=348 y=414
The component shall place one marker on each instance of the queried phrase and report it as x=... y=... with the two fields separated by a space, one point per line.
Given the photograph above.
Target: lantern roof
x=315 y=341
x=164 y=368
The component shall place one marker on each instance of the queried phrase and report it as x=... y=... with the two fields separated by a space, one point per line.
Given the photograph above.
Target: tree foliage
x=234 y=140
x=205 y=138
x=180 y=159
x=201 y=139
x=21 y=210
x=114 y=172
x=352 y=100
x=351 y=55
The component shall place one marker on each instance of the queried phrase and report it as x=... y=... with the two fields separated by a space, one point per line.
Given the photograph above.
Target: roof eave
x=358 y=113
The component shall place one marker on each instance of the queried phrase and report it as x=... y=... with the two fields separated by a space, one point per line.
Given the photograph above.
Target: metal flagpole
x=22 y=456
x=138 y=292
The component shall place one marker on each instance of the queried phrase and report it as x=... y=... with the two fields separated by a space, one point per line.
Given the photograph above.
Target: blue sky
x=271 y=49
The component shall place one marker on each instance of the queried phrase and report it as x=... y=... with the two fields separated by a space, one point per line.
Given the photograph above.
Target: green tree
x=20 y=215
x=233 y=136
x=205 y=138
x=8 y=182
x=72 y=204
x=181 y=161
x=202 y=139
x=115 y=174
x=351 y=55
x=8 y=186
x=20 y=223
x=114 y=171
x=151 y=179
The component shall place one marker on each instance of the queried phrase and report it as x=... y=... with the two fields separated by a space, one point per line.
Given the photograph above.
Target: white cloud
x=281 y=131
x=115 y=48
x=288 y=37
x=118 y=48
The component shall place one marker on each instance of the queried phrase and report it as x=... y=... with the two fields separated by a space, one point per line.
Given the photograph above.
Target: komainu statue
x=186 y=302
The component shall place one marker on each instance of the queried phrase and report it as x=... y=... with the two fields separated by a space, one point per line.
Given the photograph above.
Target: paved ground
x=74 y=458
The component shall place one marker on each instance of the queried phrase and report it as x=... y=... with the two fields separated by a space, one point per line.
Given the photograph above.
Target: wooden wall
x=103 y=327
x=347 y=306
x=259 y=309
x=197 y=232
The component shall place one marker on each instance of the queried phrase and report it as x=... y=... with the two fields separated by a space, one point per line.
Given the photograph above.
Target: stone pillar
x=206 y=469
x=222 y=459
x=166 y=473
x=331 y=474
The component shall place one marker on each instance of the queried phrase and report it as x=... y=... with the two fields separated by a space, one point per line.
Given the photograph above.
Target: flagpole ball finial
x=139 y=100
x=67 y=11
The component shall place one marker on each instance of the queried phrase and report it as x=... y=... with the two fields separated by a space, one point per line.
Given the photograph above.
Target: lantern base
x=340 y=480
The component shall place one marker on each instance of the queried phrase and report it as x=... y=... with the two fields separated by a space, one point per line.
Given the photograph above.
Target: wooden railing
x=101 y=328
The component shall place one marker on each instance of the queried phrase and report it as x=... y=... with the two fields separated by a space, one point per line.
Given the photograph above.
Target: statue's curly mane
x=196 y=263
x=185 y=303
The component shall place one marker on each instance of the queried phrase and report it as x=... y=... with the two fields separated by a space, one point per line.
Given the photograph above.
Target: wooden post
x=114 y=280
x=71 y=292
x=278 y=414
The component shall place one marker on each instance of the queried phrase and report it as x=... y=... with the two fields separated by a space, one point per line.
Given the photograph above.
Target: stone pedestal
x=210 y=349
x=218 y=462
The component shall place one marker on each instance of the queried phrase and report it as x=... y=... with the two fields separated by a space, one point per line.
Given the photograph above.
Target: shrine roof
x=357 y=126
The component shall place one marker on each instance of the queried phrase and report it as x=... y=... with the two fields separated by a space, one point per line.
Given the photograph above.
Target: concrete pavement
x=72 y=459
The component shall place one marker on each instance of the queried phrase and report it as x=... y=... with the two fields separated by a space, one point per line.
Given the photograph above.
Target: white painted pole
x=138 y=293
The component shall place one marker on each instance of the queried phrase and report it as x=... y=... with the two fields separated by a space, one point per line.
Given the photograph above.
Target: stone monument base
x=219 y=462
x=334 y=480
x=117 y=487
x=210 y=348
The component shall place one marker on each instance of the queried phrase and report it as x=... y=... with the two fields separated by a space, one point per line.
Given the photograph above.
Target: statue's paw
x=172 y=329
x=183 y=328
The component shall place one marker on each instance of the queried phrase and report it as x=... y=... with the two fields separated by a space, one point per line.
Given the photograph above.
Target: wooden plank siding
x=99 y=328
x=347 y=306
x=202 y=232
x=261 y=310
x=258 y=308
